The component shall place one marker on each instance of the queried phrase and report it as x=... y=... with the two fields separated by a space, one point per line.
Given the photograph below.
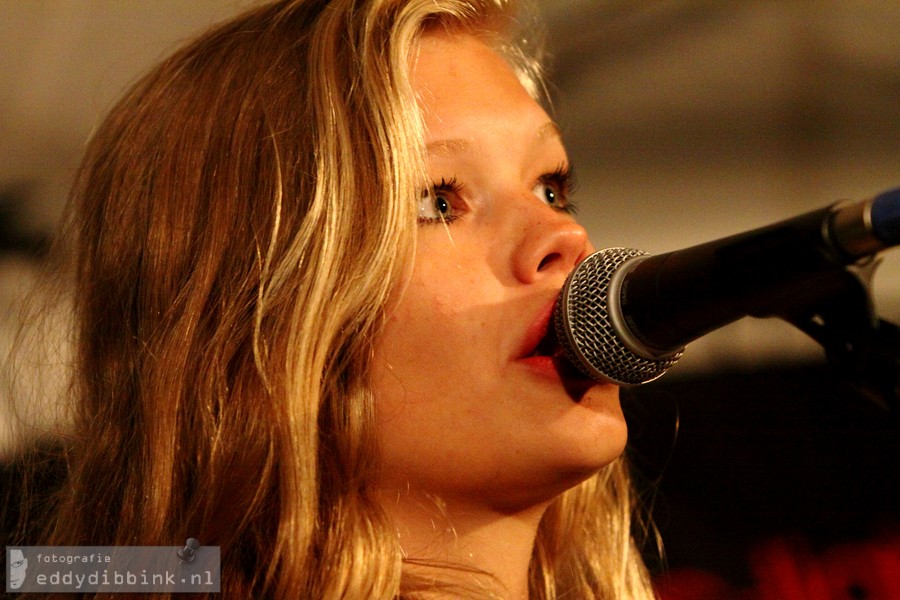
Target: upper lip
x=539 y=339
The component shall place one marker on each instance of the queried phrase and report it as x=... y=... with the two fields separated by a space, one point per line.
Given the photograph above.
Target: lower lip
x=558 y=369
x=545 y=366
x=562 y=373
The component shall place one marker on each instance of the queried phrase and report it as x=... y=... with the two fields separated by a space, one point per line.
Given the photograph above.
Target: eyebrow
x=447 y=147
x=456 y=145
x=549 y=129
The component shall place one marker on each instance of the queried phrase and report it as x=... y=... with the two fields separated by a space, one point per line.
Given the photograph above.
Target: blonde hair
x=242 y=216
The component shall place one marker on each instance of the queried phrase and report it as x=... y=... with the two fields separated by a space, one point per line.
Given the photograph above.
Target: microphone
x=625 y=316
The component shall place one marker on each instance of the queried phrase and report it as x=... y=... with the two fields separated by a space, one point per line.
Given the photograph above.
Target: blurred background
x=687 y=120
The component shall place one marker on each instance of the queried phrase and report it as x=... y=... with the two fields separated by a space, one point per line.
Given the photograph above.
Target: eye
x=548 y=194
x=436 y=205
x=554 y=189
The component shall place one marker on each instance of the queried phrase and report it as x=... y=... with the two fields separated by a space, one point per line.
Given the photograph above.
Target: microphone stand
x=839 y=315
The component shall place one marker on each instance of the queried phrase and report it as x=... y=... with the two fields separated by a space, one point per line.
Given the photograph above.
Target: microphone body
x=626 y=316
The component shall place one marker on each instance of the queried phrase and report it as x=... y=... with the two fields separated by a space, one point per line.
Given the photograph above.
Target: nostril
x=548 y=260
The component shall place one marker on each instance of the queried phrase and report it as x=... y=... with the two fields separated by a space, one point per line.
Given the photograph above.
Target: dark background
x=734 y=460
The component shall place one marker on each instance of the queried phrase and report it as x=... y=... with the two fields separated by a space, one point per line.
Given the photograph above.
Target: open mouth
x=575 y=382
x=549 y=345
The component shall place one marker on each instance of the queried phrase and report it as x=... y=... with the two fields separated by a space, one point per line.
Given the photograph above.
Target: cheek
x=434 y=341
x=439 y=305
x=418 y=318
x=432 y=335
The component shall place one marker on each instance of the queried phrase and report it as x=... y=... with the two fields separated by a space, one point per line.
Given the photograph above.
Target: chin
x=539 y=495
x=574 y=460
x=598 y=442
x=579 y=466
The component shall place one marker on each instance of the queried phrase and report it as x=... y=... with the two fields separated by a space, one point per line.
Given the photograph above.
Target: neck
x=467 y=547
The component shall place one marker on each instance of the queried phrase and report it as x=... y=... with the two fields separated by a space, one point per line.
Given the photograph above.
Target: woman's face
x=467 y=407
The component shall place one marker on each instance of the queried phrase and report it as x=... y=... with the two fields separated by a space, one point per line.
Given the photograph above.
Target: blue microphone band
x=886 y=217
x=861 y=229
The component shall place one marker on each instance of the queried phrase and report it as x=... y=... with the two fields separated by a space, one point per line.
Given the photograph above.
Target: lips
x=548 y=345
x=542 y=351
x=537 y=340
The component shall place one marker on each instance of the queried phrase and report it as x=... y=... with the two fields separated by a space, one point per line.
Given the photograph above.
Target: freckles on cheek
x=417 y=321
x=431 y=299
x=442 y=306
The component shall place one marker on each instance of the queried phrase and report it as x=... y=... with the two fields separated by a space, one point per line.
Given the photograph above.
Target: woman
x=317 y=252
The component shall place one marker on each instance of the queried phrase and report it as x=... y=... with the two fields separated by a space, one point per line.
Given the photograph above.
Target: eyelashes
x=440 y=203
x=443 y=202
x=559 y=188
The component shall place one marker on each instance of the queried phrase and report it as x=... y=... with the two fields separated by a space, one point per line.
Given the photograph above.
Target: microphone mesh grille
x=585 y=329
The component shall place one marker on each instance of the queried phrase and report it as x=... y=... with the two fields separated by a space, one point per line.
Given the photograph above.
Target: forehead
x=463 y=84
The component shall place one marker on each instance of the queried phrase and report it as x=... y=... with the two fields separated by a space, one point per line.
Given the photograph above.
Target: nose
x=551 y=244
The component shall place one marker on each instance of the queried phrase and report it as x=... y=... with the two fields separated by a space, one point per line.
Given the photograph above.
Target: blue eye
x=436 y=203
x=548 y=194
x=554 y=189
